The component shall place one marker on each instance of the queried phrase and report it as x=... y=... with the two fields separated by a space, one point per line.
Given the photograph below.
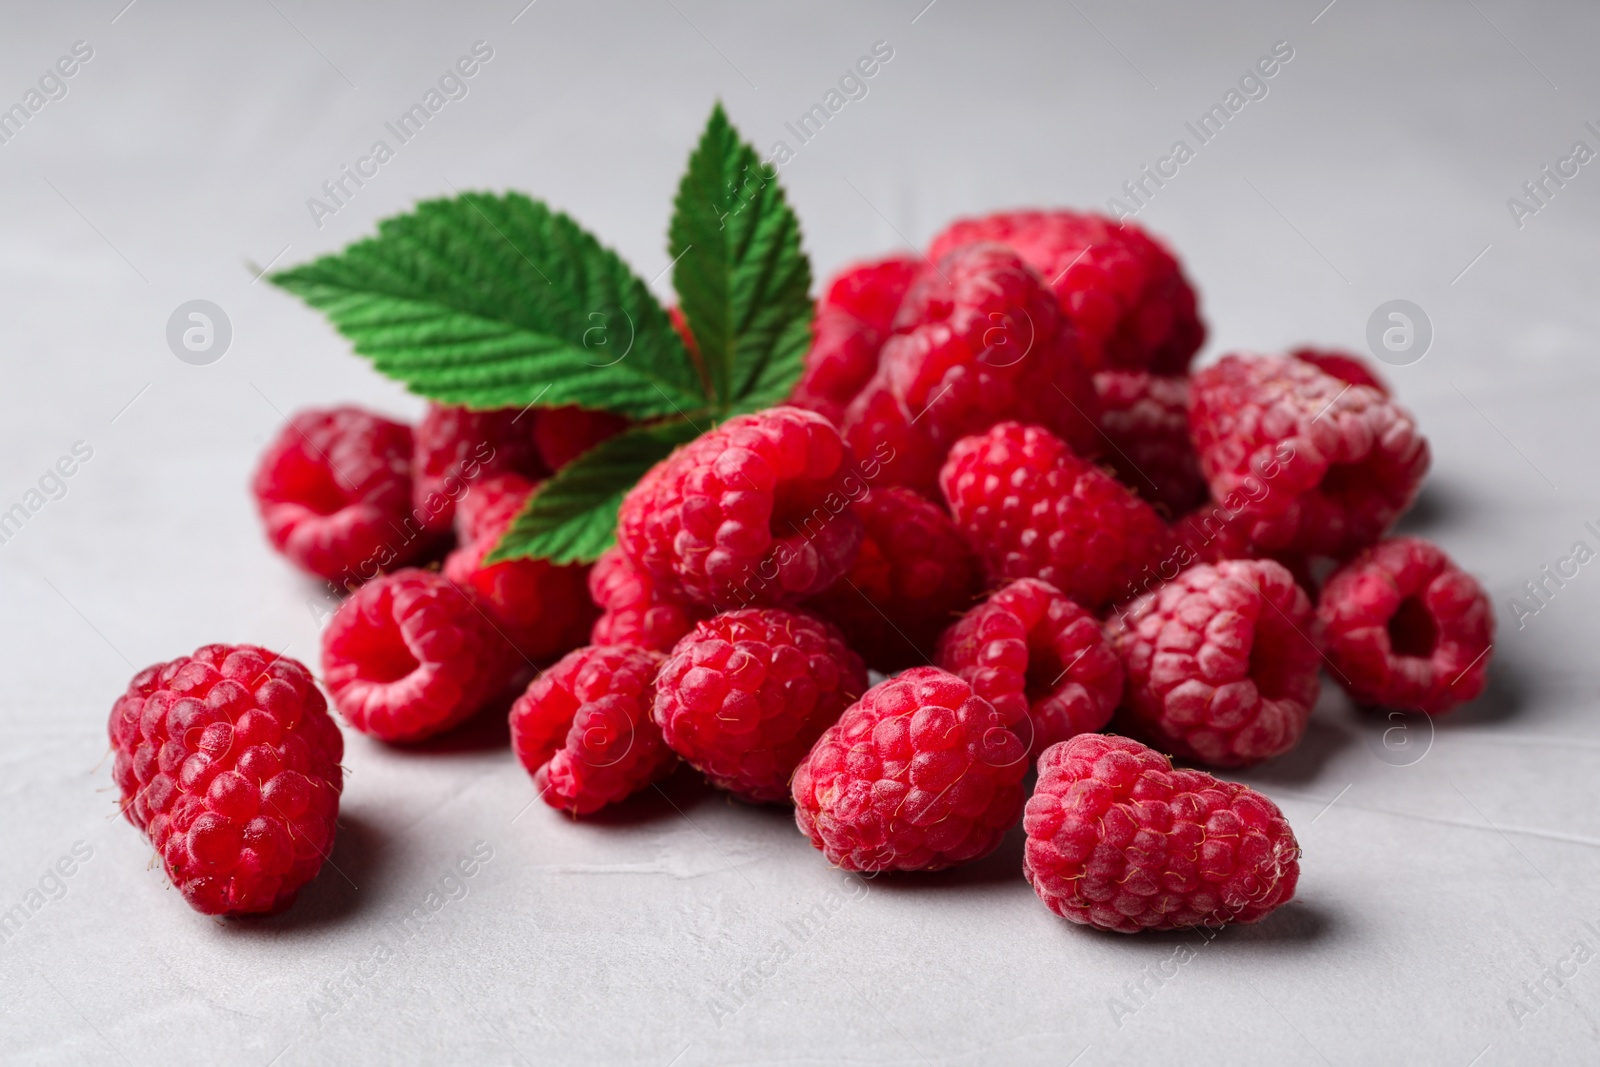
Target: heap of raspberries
x=1001 y=543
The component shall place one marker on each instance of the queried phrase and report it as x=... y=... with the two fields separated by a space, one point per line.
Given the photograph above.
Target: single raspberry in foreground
x=1406 y=628
x=1040 y=659
x=334 y=490
x=853 y=320
x=745 y=694
x=919 y=774
x=1316 y=464
x=755 y=512
x=542 y=608
x=978 y=340
x=914 y=575
x=634 y=610
x=1119 y=840
x=1221 y=662
x=1033 y=509
x=228 y=762
x=583 y=728
x=410 y=655
x=1121 y=288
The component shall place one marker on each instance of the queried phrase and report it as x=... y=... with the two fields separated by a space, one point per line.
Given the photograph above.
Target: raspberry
x=914 y=574
x=1121 y=289
x=455 y=447
x=1342 y=365
x=542 y=608
x=634 y=610
x=1145 y=418
x=1119 y=840
x=334 y=489
x=745 y=694
x=583 y=728
x=1406 y=628
x=228 y=762
x=409 y=656
x=1314 y=464
x=978 y=341
x=753 y=513
x=1040 y=659
x=853 y=320
x=1032 y=509
x=1221 y=662
x=561 y=435
x=919 y=774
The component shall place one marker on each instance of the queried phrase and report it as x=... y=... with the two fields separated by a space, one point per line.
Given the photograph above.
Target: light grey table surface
x=1448 y=882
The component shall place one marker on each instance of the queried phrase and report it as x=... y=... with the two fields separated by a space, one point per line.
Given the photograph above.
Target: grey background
x=677 y=931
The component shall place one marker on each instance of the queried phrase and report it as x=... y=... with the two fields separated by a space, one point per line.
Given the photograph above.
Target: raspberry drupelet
x=583 y=728
x=409 y=656
x=1040 y=659
x=754 y=513
x=1119 y=840
x=914 y=575
x=919 y=774
x=1406 y=628
x=334 y=490
x=1319 y=465
x=1121 y=288
x=745 y=694
x=1221 y=662
x=228 y=762
x=1033 y=509
x=976 y=341
x=1342 y=365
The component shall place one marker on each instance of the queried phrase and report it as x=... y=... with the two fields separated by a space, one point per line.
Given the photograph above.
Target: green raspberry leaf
x=742 y=280
x=498 y=301
x=573 y=516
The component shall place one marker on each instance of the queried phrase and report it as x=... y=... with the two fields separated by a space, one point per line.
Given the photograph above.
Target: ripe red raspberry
x=634 y=611
x=746 y=693
x=977 y=341
x=1145 y=419
x=561 y=435
x=541 y=608
x=1032 y=509
x=1221 y=662
x=409 y=656
x=914 y=574
x=228 y=762
x=455 y=447
x=1120 y=287
x=334 y=489
x=754 y=512
x=853 y=320
x=1040 y=659
x=1119 y=840
x=918 y=775
x=1315 y=464
x=1344 y=366
x=1406 y=628
x=583 y=728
